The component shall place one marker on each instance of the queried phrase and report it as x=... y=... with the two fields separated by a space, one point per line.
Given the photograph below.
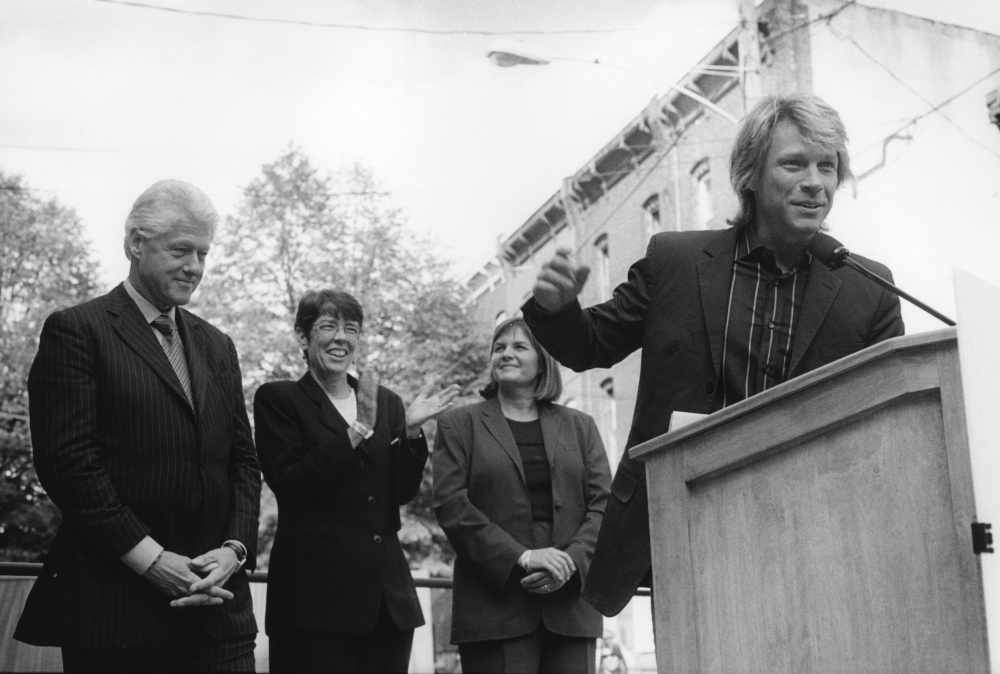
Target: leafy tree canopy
x=47 y=265
x=298 y=229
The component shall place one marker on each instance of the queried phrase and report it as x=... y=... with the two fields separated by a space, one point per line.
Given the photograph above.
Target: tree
x=297 y=230
x=47 y=265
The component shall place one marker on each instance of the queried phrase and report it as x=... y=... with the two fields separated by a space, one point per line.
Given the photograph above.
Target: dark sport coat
x=336 y=553
x=673 y=307
x=482 y=503
x=119 y=449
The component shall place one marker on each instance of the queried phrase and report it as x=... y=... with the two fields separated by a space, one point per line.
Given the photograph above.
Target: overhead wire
x=904 y=84
x=909 y=122
x=48 y=148
x=356 y=193
x=828 y=16
x=936 y=108
x=403 y=29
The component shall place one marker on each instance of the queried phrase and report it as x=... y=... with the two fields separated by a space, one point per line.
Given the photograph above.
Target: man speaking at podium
x=720 y=315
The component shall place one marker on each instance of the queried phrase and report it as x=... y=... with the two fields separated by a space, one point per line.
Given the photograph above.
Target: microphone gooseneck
x=835 y=255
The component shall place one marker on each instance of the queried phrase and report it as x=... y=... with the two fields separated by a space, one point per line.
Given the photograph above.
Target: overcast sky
x=100 y=99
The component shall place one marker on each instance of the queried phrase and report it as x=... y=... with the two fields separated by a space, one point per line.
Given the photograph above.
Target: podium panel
x=978 y=304
x=824 y=525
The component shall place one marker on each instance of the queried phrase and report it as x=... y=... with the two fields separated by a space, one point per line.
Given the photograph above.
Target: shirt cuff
x=522 y=561
x=142 y=556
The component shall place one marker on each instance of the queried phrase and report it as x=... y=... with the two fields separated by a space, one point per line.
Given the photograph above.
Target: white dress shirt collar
x=149 y=311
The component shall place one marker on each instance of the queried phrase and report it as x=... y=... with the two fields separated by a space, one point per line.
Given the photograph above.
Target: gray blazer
x=481 y=501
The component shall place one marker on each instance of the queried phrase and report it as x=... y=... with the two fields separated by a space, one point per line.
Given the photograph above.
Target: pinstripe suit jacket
x=122 y=453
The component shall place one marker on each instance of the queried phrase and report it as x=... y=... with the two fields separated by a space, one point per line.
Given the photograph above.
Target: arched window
x=603 y=267
x=611 y=420
x=651 y=215
x=701 y=174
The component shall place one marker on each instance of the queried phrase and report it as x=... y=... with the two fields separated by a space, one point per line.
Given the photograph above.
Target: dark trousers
x=185 y=651
x=386 y=648
x=540 y=652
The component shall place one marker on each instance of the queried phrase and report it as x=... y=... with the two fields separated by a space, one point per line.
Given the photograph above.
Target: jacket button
x=710 y=388
x=377 y=539
x=558 y=505
x=371 y=499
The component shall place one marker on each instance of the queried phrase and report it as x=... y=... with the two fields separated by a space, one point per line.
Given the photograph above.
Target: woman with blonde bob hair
x=520 y=485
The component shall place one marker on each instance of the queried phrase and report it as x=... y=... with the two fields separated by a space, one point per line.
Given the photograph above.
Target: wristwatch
x=362 y=429
x=241 y=555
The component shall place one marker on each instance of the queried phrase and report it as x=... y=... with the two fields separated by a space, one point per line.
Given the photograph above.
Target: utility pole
x=749 y=43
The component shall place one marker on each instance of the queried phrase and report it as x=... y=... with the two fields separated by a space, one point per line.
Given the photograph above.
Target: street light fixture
x=507 y=53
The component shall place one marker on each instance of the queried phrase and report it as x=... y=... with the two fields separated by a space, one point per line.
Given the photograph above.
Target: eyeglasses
x=351 y=329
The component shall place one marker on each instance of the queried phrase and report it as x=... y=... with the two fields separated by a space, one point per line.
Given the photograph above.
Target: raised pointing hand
x=559 y=281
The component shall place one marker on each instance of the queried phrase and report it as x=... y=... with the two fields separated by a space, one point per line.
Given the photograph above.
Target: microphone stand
x=861 y=269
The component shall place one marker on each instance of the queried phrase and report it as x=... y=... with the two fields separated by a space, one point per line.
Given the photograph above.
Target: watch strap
x=241 y=555
x=362 y=429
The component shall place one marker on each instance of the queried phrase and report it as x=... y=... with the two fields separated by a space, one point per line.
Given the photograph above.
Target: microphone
x=835 y=255
x=828 y=250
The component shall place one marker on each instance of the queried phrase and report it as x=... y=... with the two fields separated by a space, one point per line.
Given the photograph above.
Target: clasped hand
x=548 y=570
x=194 y=582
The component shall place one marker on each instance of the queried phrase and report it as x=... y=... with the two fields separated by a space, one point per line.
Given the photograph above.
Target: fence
x=432 y=651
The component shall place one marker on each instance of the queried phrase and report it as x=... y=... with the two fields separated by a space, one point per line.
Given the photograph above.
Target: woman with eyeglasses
x=341 y=454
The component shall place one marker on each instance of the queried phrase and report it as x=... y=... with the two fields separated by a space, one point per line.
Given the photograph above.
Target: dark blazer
x=336 y=553
x=673 y=307
x=481 y=501
x=121 y=452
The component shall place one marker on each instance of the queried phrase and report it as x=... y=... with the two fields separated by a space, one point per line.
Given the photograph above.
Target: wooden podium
x=824 y=525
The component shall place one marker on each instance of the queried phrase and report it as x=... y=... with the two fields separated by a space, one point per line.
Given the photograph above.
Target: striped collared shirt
x=764 y=308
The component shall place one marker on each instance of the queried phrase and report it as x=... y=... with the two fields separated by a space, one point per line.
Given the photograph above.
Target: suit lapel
x=328 y=414
x=715 y=271
x=551 y=424
x=821 y=290
x=133 y=329
x=496 y=424
x=195 y=350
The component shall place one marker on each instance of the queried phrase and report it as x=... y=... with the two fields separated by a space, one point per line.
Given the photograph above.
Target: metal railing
x=32 y=569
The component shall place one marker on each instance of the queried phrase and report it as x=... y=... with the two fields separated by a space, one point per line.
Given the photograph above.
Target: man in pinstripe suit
x=141 y=437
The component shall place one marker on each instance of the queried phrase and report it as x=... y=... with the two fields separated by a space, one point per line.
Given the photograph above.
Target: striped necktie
x=175 y=352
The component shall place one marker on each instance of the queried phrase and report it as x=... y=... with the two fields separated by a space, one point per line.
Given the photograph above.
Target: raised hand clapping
x=426 y=406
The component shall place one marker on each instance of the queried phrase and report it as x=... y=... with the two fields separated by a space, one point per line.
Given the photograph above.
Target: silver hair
x=818 y=123
x=162 y=205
